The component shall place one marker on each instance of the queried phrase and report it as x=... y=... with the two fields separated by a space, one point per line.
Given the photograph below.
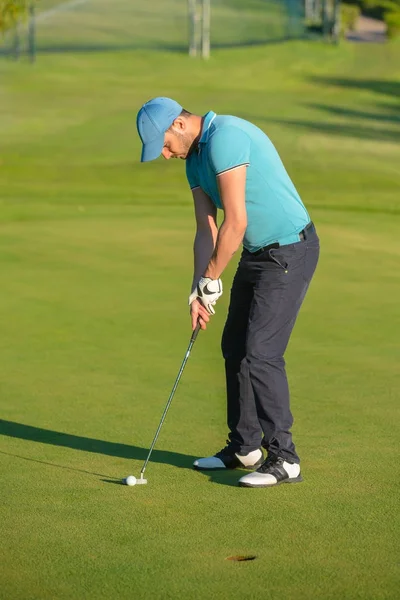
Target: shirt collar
x=205 y=132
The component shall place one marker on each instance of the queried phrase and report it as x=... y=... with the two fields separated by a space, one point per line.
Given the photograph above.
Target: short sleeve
x=228 y=147
x=191 y=173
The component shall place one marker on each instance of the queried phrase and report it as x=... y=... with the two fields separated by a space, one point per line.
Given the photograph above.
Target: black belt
x=302 y=235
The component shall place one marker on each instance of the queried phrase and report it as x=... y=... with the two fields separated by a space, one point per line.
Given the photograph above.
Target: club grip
x=195 y=332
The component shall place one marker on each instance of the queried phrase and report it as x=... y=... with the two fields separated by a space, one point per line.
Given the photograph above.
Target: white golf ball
x=130 y=480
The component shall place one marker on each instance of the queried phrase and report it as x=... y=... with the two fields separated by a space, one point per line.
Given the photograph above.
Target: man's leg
x=244 y=427
x=243 y=449
x=281 y=279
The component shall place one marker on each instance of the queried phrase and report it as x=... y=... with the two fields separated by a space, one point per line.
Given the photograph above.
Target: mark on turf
x=241 y=558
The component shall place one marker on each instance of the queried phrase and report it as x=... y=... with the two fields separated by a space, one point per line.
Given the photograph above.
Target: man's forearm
x=203 y=248
x=229 y=239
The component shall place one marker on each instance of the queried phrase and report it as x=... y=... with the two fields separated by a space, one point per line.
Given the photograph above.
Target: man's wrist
x=211 y=273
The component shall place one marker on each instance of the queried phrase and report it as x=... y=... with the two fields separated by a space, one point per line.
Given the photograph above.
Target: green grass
x=95 y=267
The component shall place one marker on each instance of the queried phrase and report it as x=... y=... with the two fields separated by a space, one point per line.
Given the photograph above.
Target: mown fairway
x=95 y=253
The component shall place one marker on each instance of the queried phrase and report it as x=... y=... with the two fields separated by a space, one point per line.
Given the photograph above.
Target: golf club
x=132 y=480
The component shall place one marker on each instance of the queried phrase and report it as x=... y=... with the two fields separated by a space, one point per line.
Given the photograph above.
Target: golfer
x=233 y=166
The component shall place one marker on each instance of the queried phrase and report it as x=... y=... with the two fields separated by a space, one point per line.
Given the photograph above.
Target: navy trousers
x=266 y=296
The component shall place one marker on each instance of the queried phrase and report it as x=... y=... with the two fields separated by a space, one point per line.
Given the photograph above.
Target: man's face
x=177 y=144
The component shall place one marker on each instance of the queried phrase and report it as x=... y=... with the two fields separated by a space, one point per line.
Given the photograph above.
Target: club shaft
x=192 y=341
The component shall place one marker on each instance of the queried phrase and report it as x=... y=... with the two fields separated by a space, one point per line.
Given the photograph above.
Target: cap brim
x=152 y=150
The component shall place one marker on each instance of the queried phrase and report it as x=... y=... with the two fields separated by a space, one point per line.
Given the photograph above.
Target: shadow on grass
x=337 y=129
x=114 y=481
x=393 y=117
x=225 y=477
x=379 y=86
x=344 y=130
x=75 y=442
x=353 y=128
x=156 y=47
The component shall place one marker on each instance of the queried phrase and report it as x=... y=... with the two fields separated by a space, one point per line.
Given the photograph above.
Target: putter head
x=141 y=481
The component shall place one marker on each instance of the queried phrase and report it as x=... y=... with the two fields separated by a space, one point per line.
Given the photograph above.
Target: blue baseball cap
x=153 y=120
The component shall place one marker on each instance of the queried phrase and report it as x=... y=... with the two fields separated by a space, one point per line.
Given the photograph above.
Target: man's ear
x=179 y=124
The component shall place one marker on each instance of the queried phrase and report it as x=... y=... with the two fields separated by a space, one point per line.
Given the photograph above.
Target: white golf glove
x=193 y=296
x=208 y=291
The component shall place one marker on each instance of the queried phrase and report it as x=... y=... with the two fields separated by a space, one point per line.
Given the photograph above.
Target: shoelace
x=269 y=462
x=226 y=450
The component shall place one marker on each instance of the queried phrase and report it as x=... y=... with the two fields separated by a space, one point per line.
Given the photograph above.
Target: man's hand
x=198 y=314
x=208 y=292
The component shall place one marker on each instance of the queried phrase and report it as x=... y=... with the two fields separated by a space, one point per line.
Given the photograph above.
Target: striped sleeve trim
x=233 y=168
x=196 y=187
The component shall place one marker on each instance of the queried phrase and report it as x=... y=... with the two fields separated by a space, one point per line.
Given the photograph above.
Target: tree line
x=386 y=10
x=13 y=11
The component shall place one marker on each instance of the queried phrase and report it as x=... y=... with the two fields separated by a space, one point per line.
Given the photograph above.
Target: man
x=232 y=165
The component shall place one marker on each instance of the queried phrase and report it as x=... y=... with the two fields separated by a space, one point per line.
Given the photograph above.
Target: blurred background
x=95 y=271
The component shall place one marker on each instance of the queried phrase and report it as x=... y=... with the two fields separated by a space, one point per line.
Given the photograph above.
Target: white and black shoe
x=273 y=471
x=229 y=459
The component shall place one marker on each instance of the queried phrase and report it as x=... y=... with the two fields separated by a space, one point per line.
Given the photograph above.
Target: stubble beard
x=187 y=144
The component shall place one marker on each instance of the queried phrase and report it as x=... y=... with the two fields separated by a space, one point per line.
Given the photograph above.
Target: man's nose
x=166 y=153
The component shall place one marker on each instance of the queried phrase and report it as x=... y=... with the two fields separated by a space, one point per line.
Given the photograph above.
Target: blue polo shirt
x=275 y=212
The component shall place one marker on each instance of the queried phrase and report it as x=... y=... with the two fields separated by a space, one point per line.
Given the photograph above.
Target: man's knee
x=266 y=356
x=233 y=352
x=233 y=347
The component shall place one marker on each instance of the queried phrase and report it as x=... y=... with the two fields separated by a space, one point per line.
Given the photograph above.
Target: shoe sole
x=254 y=468
x=251 y=468
x=298 y=479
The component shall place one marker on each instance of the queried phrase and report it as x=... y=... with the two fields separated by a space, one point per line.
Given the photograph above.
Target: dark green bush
x=392 y=20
